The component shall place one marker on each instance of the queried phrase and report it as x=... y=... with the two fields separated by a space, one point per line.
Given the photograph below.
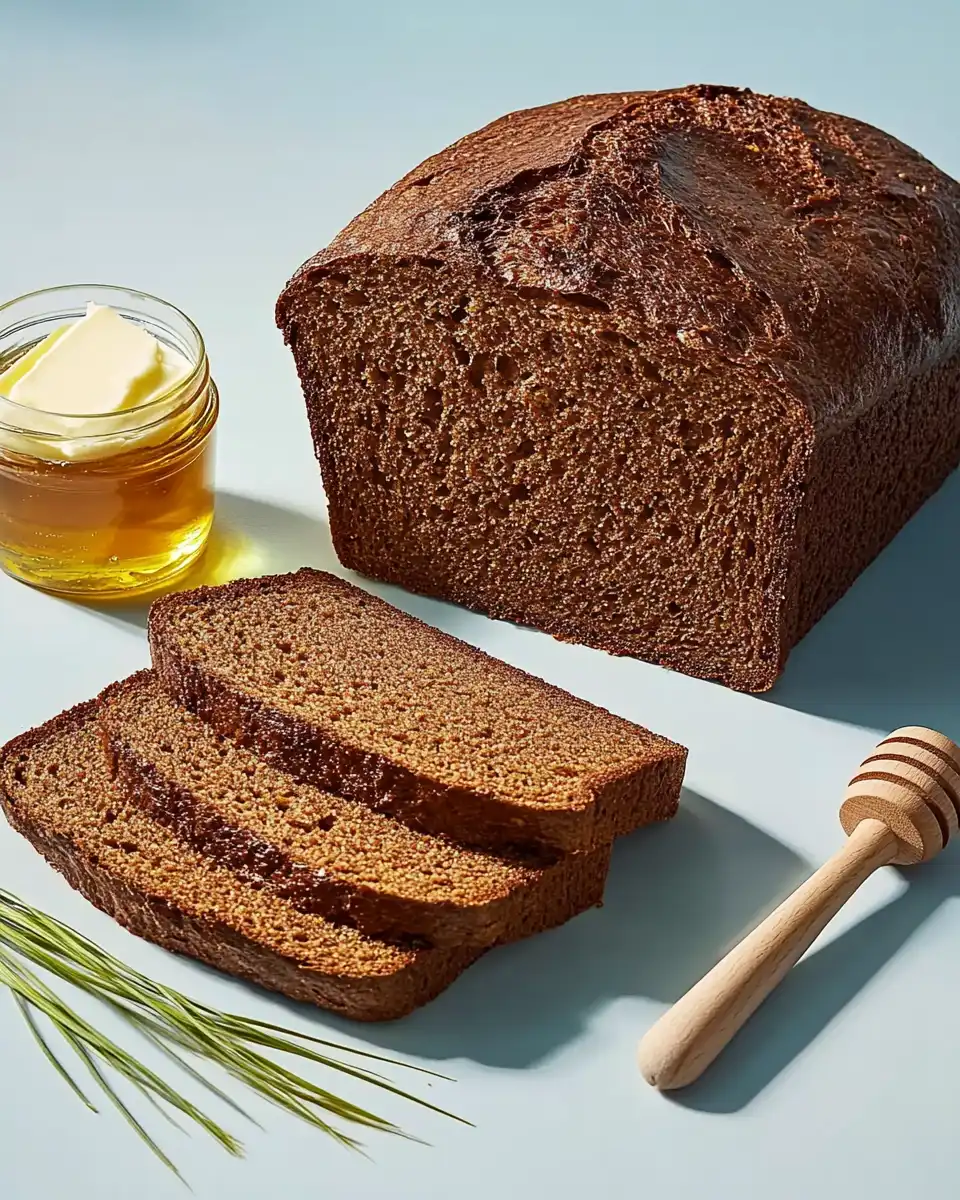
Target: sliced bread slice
x=350 y=694
x=55 y=790
x=323 y=853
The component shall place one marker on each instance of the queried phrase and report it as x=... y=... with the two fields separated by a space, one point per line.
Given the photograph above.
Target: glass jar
x=110 y=504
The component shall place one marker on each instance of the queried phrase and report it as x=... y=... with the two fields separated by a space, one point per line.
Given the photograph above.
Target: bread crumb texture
x=320 y=851
x=659 y=372
x=56 y=790
x=344 y=690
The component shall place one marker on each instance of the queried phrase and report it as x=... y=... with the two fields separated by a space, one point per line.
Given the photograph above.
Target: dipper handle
x=690 y=1035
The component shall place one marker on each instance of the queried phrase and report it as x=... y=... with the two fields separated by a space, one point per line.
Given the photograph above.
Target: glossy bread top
x=812 y=249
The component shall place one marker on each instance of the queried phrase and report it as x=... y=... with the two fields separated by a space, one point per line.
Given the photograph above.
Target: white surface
x=201 y=151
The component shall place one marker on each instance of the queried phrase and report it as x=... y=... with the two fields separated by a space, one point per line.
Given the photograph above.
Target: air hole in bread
x=375 y=376
x=616 y=338
x=726 y=427
x=691 y=434
x=477 y=370
x=719 y=259
x=506 y=367
x=525 y=450
x=432 y=405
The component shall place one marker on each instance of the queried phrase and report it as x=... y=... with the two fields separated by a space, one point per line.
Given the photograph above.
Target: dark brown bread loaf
x=344 y=691
x=660 y=372
x=55 y=790
x=322 y=853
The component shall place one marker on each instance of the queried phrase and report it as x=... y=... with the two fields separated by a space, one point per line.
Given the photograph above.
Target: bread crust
x=745 y=237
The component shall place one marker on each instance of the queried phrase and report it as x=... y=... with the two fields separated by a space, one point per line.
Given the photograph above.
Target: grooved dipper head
x=911 y=782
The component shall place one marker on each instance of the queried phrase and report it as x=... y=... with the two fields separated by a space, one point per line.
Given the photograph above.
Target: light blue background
x=201 y=151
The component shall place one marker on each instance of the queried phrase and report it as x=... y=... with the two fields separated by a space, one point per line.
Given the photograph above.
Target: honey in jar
x=110 y=499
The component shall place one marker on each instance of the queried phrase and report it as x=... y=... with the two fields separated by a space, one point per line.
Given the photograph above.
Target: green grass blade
x=249 y=1023
x=189 y=1069
x=183 y=1031
x=50 y=1056
x=117 y=1101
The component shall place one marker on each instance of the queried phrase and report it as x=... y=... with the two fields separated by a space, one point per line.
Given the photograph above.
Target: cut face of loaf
x=325 y=854
x=343 y=691
x=56 y=791
x=658 y=372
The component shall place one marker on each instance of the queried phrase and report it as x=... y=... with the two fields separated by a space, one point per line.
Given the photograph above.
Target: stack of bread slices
x=317 y=792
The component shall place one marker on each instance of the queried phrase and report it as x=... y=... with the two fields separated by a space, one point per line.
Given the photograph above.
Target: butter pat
x=101 y=366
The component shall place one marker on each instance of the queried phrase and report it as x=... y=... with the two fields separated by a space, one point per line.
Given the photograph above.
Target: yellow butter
x=68 y=388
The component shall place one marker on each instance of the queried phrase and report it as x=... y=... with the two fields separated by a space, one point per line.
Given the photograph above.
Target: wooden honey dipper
x=901 y=807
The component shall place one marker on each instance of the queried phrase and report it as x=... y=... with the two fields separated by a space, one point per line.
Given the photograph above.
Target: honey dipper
x=901 y=807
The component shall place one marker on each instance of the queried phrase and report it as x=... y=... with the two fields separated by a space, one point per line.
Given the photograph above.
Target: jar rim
x=190 y=385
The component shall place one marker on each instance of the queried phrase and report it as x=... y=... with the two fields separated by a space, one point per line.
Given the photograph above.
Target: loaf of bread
x=659 y=372
x=323 y=853
x=345 y=692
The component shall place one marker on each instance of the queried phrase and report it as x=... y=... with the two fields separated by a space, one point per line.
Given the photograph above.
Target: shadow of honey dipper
x=901 y=808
